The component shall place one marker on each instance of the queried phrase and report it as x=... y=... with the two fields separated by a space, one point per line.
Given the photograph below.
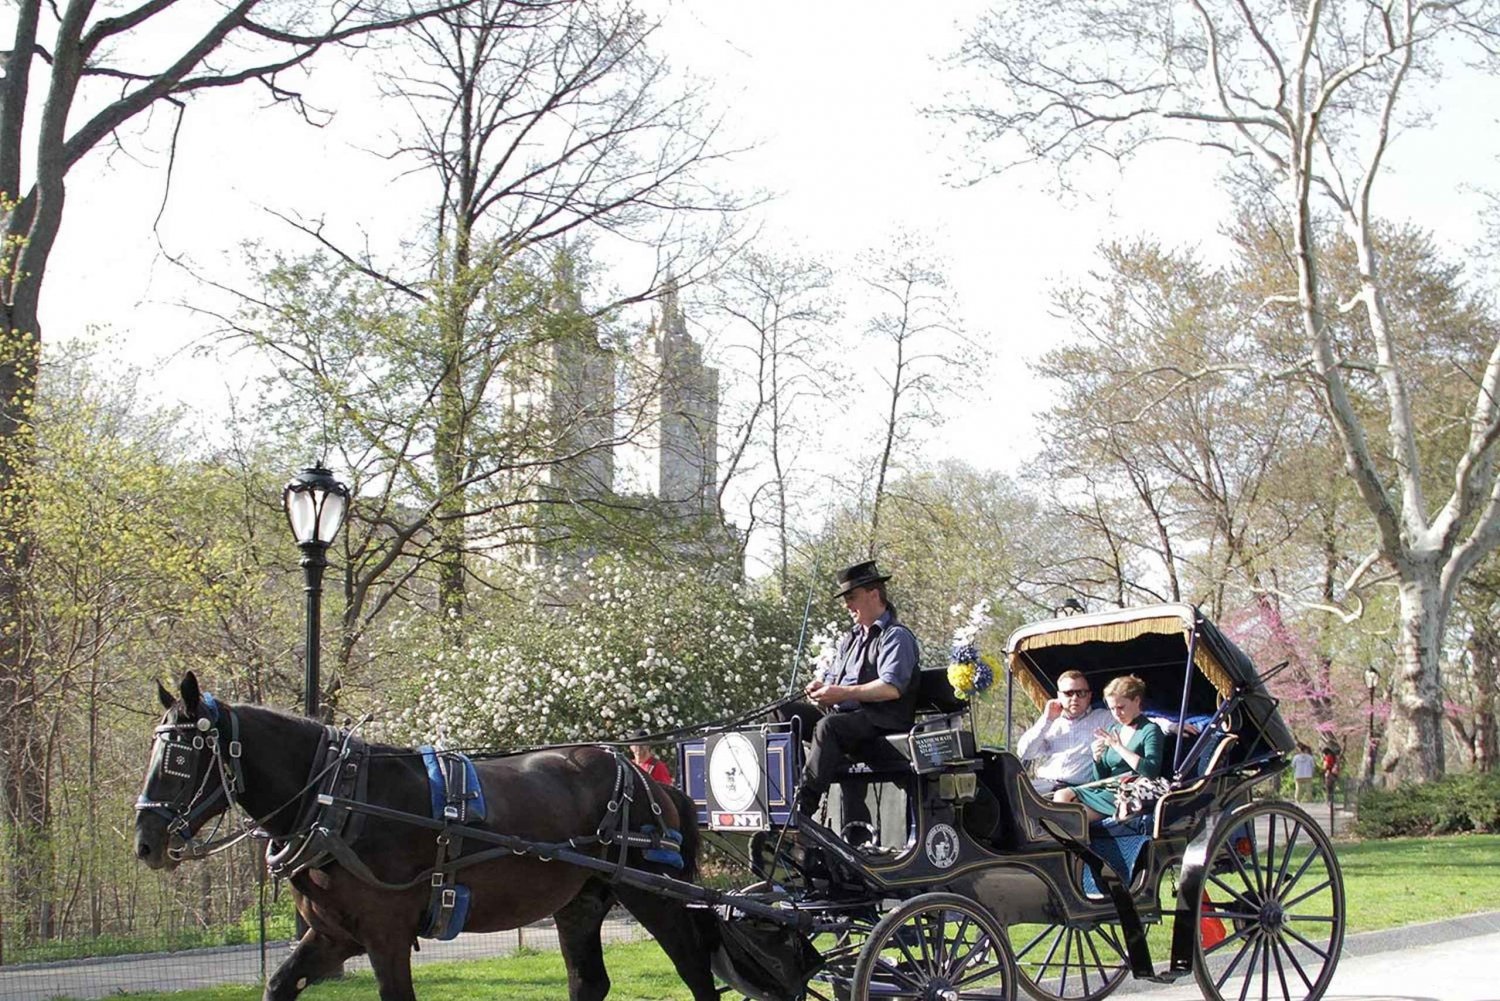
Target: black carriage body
x=978 y=829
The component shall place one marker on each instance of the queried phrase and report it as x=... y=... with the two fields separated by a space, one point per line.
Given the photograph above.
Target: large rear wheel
x=1069 y=962
x=1273 y=917
x=936 y=947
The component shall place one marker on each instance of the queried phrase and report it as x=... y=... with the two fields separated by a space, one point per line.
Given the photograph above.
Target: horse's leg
x=391 y=963
x=578 y=925
x=682 y=934
x=315 y=957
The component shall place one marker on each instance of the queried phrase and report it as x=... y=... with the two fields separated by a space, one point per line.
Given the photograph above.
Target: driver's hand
x=826 y=695
x=1053 y=709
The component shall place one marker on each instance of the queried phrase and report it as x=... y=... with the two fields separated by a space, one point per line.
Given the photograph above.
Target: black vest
x=894 y=714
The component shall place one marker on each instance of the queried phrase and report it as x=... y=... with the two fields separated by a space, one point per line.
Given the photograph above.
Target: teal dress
x=1147 y=742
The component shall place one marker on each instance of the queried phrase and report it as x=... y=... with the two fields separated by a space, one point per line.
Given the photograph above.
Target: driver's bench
x=936 y=760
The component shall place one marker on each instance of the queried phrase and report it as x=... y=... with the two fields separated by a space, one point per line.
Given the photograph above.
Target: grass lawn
x=1386 y=884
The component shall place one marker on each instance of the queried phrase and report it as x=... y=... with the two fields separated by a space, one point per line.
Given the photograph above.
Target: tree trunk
x=449 y=440
x=22 y=747
x=1484 y=656
x=1414 y=735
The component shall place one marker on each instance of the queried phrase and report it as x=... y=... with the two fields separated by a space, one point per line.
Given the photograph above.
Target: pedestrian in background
x=1304 y=767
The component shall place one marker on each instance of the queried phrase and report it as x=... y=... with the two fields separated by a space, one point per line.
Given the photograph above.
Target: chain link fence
x=206 y=923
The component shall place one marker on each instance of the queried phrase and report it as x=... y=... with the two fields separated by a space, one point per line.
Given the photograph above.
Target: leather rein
x=330 y=820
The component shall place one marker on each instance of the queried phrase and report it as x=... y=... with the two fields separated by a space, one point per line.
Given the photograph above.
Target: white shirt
x=1303 y=766
x=1065 y=747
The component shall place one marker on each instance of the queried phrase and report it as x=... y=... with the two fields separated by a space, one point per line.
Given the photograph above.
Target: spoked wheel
x=936 y=947
x=841 y=951
x=1061 y=962
x=1273 y=919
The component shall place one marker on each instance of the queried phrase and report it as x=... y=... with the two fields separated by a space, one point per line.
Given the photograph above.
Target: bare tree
x=1307 y=97
x=918 y=350
x=473 y=381
x=103 y=73
x=780 y=309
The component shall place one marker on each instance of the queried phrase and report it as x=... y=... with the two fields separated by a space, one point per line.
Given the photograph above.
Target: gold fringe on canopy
x=1027 y=681
x=1108 y=632
x=1213 y=671
x=1112 y=632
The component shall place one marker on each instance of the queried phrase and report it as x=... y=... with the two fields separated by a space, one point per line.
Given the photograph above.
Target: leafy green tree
x=75 y=78
x=955 y=535
x=1306 y=101
x=138 y=573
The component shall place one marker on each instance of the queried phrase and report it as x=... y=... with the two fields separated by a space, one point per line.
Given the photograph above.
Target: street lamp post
x=315 y=503
x=1372 y=682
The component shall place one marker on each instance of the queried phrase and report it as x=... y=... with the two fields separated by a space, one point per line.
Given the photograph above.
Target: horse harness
x=331 y=820
x=170 y=793
x=457 y=805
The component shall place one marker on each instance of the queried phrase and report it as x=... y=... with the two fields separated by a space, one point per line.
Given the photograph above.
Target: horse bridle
x=170 y=792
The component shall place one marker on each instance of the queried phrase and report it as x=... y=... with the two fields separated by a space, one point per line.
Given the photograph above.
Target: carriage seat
x=941 y=739
x=1019 y=808
x=1195 y=794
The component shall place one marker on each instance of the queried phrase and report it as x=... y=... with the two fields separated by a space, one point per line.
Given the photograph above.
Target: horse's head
x=188 y=778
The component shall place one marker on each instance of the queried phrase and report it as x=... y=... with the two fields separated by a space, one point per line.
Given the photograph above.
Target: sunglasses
x=1065 y=693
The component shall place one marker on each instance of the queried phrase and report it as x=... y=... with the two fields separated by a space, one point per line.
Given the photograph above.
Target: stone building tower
x=686 y=411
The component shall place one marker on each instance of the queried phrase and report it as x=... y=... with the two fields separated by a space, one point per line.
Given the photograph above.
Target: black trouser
x=837 y=738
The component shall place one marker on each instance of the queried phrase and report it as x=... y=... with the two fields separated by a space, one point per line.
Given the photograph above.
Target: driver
x=866 y=693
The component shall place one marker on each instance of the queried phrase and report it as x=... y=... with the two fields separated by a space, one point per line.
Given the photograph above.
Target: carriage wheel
x=936 y=947
x=841 y=952
x=1274 y=885
x=1062 y=962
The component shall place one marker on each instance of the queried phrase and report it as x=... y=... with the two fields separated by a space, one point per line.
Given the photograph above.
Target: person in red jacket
x=650 y=763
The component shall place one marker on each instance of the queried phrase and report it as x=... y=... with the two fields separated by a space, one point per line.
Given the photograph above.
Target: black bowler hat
x=865 y=574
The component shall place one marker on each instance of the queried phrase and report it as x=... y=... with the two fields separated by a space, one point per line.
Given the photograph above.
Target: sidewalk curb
x=1370 y=943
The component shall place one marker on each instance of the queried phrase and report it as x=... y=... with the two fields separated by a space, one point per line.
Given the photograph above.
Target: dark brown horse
x=208 y=753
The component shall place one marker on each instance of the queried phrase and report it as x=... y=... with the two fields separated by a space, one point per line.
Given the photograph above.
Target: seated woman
x=1130 y=745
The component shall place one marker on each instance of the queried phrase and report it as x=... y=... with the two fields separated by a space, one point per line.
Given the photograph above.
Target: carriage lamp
x=1372 y=682
x=315 y=503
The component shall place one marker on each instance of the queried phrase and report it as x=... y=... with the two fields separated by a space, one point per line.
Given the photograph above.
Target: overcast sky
x=830 y=91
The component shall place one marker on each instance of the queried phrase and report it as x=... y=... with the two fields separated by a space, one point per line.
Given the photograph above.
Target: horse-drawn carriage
x=985 y=887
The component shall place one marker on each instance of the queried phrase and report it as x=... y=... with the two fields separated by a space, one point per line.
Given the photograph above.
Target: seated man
x=867 y=692
x=1061 y=741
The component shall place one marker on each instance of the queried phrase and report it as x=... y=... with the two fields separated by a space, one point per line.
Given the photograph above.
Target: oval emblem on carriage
x=942 y=846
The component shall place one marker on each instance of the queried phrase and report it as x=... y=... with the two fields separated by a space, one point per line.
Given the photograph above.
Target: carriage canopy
x=1190 y=668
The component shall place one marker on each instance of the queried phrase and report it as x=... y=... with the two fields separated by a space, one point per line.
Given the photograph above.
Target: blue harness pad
x=455 y=921
x=670 y=852
x=437 y=782
x=464 y=804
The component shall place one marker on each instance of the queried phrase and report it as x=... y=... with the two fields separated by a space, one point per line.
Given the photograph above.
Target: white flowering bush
x=599 y=652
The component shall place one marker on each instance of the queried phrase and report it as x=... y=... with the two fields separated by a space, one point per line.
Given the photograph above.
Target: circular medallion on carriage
x=942 y=845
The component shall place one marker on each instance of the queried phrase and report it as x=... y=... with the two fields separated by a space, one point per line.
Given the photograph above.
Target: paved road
x=1418 y=963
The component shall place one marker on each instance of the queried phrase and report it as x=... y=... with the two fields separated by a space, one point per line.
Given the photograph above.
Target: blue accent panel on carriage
x=670 y=853
x=783 y=764
x=437 y=784
x=210 y=706
x=1119 y=843
x=456 y=920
